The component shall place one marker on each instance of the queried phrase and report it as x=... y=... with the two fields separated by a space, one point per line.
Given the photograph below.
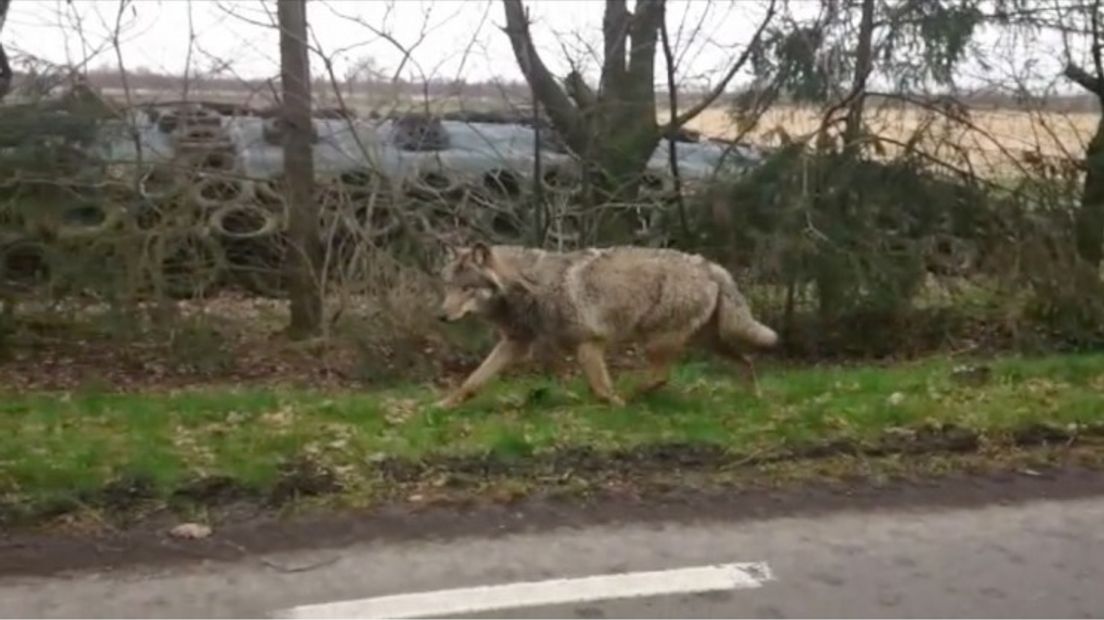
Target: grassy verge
x=60 y=451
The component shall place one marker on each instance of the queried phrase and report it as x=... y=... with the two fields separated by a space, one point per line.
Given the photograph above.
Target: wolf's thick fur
x=587 y=300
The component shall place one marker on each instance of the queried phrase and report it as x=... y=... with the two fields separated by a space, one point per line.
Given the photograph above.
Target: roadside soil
x=251 y=532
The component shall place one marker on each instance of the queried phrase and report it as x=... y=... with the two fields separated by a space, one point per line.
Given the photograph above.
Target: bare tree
x=614 y=129
x=305 y=254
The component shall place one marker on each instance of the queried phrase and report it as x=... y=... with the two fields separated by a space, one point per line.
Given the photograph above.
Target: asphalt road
x=1037 y=559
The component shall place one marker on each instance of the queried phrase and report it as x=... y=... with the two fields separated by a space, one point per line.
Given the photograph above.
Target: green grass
x=61 y=445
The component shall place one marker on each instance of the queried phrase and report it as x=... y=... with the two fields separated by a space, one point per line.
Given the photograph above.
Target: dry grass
x=992 y=142
x=1011 y=129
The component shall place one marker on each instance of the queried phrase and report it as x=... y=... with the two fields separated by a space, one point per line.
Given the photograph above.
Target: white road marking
x=461 y=601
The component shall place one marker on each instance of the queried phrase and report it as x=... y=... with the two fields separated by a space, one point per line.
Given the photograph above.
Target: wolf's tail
x=733 y=315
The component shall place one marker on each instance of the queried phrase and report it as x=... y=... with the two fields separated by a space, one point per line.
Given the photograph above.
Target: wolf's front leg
x=592 y=358
x=505 y=353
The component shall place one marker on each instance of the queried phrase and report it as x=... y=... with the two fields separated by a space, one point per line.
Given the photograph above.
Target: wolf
x=585 y=301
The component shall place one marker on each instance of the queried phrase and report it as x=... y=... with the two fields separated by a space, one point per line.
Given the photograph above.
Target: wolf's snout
x=442 y=317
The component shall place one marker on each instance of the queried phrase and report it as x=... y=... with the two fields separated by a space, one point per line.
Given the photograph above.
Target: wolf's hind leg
x=750 y=376
x=747 y=367
x=505 y=353
x=661 y=354
x=592 y=359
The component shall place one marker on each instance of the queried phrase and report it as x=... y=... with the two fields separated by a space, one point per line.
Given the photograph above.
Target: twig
x=708 y=100
x=126 y=84
x=188 y=55
x=672 y=150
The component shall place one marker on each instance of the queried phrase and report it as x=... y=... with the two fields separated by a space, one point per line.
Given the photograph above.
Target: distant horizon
x=144 y=79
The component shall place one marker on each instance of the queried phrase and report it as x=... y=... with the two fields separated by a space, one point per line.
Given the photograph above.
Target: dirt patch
x=27 y=553
x=303 y=477
x=586 y=462
x=124 y=493
x=213 y=491
x=572 y=461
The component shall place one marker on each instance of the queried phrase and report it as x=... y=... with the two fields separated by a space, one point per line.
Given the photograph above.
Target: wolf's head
x=473 y=281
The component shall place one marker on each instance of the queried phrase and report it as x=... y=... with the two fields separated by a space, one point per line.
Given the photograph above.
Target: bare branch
x=580 y=91
x=555 y=101
x=407 y=51
x=719 y=89
x=672 y=148
x=123 y=75
x=1089 y=82
x=188 y=56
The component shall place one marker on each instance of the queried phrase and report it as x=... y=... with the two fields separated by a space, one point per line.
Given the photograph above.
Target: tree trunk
x=628 y=132
x=830 y=269
x=1089 y=220
x=1090 y=217
x=614 y=130
x=864 y=63
x=304 y=255
x=616 y=133
x=6 y=73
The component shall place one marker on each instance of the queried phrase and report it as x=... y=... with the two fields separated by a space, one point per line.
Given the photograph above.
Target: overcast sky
x=449 y=38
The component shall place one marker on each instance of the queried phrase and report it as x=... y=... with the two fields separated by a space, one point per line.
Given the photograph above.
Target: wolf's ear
x=481 y=254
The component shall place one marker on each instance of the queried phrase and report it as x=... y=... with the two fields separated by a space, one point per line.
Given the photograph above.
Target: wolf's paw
x=647 y=389
x=450 y=402
x=615 y=401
